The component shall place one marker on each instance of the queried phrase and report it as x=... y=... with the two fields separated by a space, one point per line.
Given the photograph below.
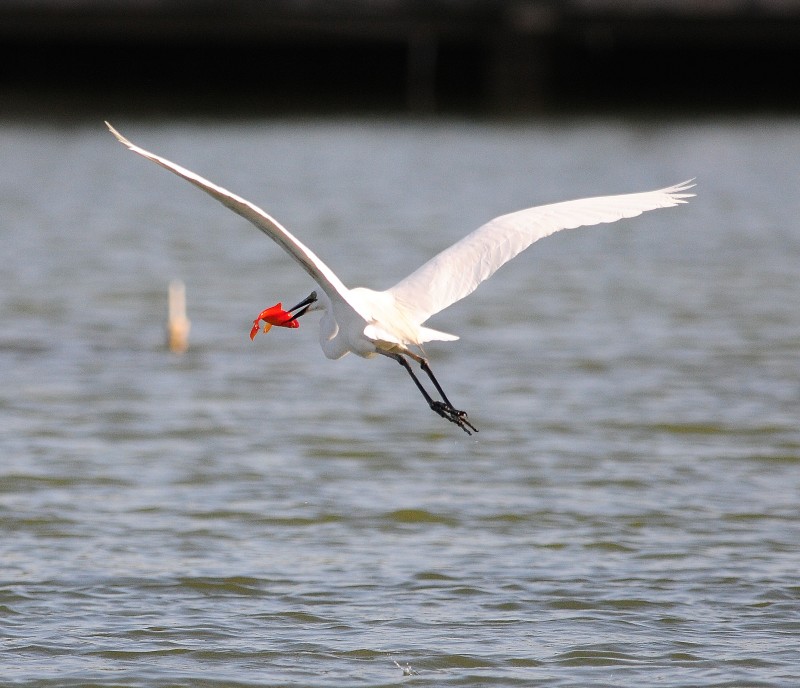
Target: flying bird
x=391 y=322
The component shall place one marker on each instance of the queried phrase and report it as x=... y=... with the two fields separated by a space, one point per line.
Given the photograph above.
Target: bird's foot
x=454 y=416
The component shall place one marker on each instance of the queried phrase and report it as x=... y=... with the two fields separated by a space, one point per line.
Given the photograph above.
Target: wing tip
x=118 y=136
x=676 y=191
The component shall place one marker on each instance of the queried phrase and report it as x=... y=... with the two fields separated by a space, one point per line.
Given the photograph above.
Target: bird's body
x=391 y=322
x=365 y=321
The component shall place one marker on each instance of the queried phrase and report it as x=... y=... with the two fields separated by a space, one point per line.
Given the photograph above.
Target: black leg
x=424 y=365
x=403 y=362
x=444 y=408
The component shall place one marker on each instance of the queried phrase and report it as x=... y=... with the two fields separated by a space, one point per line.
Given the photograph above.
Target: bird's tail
x=428 y=335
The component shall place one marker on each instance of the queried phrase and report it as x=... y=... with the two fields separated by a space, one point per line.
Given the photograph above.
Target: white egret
x=391 y=322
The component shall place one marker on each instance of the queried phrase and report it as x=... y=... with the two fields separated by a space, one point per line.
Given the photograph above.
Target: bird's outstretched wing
x=307 y=259
x=457 y=271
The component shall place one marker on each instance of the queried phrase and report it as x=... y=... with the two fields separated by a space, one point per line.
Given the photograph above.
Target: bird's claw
x=454 y=416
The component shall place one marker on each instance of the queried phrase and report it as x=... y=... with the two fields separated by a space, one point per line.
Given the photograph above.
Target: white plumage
x=391 y=322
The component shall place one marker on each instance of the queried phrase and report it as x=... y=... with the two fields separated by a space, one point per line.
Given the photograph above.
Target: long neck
x=329 y=339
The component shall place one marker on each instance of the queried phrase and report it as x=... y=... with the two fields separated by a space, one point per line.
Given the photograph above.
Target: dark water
x=251 y=514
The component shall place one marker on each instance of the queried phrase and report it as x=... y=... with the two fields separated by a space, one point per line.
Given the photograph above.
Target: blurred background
x=420 y=56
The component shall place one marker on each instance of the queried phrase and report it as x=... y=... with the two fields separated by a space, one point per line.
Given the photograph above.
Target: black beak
x=304 y=305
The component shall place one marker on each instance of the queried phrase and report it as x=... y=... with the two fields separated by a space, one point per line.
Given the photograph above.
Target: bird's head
x=275 y=315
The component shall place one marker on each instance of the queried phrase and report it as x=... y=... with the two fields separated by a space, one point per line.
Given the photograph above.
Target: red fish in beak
x=274 y=315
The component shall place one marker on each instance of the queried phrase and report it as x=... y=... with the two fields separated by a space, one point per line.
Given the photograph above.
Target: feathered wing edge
x=303 y=255
x=458 y=270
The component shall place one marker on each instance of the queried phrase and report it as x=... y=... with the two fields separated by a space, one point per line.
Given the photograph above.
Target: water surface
x=251 y=514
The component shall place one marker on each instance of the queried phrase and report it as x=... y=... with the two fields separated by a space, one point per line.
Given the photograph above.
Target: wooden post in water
x=178 y=325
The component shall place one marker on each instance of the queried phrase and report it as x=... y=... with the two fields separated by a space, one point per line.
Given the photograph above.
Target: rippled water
x=251 y=514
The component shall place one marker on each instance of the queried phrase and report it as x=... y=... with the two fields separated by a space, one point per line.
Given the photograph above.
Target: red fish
x=274 y=315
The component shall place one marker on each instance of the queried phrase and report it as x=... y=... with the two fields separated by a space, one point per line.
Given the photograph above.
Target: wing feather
x=457 y=271
x=304 y=256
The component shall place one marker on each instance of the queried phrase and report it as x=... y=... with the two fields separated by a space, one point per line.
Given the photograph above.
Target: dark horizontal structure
x=422 y=56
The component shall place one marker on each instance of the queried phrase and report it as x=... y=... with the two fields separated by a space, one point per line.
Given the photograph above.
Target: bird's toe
x=454 y=416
